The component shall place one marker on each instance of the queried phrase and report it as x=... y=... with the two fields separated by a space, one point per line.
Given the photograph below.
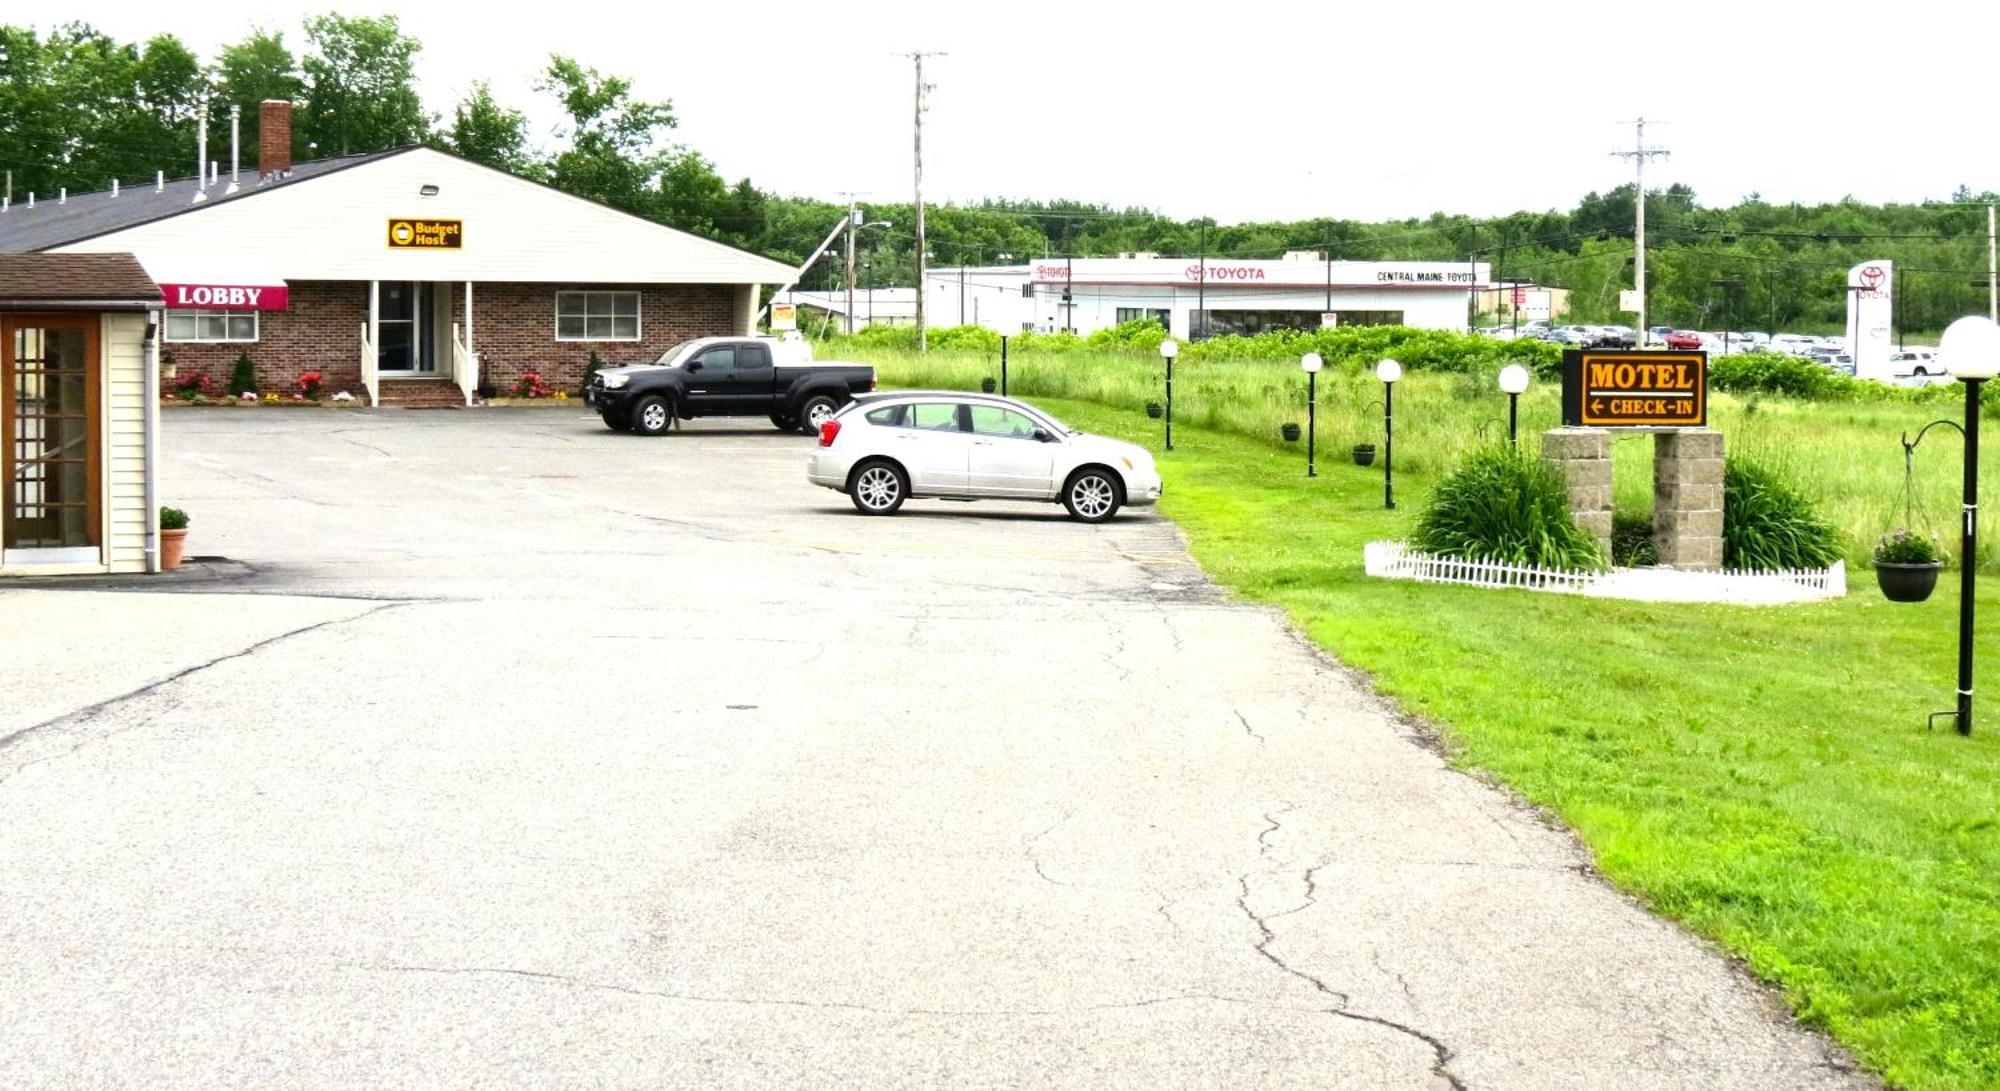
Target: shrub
x=243 y=378
x=1501 y=504
x=530 y=385
x=309 y=384
x=1632 y=540
x=1767 y=523
x=173 y=519
x=190 y=385
x=1903 y=547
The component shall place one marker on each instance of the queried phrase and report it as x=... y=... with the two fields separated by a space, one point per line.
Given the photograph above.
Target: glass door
x=396 y=328
x=48 y=431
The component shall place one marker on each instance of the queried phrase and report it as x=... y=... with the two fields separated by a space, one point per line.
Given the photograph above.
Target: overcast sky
x=1249 y=110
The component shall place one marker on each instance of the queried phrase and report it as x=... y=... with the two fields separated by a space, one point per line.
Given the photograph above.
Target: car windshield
x=1060 y=426
x=675 y=356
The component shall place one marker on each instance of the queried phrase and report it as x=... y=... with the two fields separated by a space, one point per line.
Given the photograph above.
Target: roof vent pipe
x=201 y=156
x=114 y=187
x=235 y=146
x=62 y=195
x=159 y=181
x=31 y=198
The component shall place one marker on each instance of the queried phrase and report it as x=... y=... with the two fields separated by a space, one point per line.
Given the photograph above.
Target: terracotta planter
x=172 y=543
x=1907 y=582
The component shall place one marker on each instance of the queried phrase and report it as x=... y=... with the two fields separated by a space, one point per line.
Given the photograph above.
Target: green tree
x=484 y=131
x=360 y=86
x=614 y=151
x=248 y=72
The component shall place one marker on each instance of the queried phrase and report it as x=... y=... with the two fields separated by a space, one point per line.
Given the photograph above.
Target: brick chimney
x=274 y=138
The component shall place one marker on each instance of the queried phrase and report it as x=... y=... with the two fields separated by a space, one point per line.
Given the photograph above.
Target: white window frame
x=167 y=325
x=638 y=314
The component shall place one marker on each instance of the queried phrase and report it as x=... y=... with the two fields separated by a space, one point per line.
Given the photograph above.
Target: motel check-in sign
x=1635 y=389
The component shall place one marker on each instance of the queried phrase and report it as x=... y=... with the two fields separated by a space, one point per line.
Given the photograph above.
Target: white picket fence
x=1396 y=561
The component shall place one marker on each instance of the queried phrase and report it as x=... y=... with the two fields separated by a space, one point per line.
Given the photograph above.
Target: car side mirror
x=694 y=365
x=1042 y=436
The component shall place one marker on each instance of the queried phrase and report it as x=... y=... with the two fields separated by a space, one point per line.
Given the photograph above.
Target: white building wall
x=127 y=520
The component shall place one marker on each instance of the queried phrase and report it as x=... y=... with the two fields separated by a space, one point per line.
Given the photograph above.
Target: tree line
x=78 y=109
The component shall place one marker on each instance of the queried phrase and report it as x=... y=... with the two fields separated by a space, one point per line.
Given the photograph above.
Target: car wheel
x=615 y=422
x=1921 y=371
x=785 y=422
x=878 y=487
x=1092 y=494
x=815 y=412
x=652 y=416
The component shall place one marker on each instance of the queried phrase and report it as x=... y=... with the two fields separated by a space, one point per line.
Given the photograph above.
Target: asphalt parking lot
x=507 y=750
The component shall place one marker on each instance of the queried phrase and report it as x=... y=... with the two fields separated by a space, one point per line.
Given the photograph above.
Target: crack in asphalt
x=1028 y=850
x=91 y=712
x=819 y=1005
x=1247 y=729
x=1443 y=1054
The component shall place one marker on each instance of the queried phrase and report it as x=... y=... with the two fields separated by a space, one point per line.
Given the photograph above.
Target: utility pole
x=853 y=222
x=1639 y=154
x=1992 y=267
x=923 y=338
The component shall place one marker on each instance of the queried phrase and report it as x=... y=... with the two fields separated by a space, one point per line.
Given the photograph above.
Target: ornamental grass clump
x=1767 y=523
x=1503 y=505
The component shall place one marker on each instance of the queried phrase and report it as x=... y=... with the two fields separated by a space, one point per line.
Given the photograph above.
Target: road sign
x=1628 y=300
x=1520 y=296
x=1635 y=389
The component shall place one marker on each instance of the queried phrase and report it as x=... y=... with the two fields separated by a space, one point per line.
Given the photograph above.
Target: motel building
x=407 y=277
x=1195 y=297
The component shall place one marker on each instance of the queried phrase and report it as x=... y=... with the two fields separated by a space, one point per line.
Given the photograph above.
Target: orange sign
x=1635 y=389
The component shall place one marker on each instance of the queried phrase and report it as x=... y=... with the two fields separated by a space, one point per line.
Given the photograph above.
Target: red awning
x=218 y=286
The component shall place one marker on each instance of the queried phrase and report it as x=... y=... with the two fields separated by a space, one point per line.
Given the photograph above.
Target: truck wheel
x=878 y=487
x=785 y=422
x=816 y=411
x=652 y=416
x=1092 y=494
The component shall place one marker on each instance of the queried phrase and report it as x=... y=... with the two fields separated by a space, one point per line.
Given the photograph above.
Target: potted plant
x=988 y=385
x=173 y=537
x=1289 y=430
x=1364 y=454
x=309 y=385
x=1906 y=566
x=1154 y=411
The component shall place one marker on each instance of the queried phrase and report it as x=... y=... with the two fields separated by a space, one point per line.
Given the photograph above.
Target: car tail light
x=827 y=431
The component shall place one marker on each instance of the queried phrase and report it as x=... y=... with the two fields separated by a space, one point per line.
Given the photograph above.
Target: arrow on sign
x=1596 y=406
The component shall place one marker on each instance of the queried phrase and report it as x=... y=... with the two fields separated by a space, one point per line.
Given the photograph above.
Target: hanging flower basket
x=1289 y=431
x=1154 y=410
x=1364 y=454
x=988 y=385
x=1907 y=582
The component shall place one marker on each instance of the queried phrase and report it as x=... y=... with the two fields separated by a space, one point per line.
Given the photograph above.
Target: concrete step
x=422 y=394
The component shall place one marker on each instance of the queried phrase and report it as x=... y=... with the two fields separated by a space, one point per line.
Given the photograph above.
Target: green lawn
x=1761 y=775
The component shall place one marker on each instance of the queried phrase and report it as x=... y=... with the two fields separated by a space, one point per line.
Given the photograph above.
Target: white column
x=375 y=314
x=468 y=316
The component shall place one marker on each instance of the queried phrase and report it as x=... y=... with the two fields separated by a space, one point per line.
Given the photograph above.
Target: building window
x=1133 y=314
x=211 y=325
x=597 y=316
x=1371 y=318
x=1218 y=323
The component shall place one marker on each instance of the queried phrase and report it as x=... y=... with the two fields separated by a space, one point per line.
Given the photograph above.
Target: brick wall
x=515 y=328
x=515 y=332
x=321 y=328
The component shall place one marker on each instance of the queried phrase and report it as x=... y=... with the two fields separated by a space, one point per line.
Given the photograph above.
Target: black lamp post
x=1514 y=382
x=1388 y=371
x=1311 y=363
x=1970 y=352
x=1169 y=349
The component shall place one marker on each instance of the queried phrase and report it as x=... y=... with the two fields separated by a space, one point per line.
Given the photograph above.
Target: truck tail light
x=871 y=382
x=827 y=431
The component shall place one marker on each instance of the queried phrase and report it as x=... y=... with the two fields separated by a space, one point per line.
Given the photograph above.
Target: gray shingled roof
x=87 y=215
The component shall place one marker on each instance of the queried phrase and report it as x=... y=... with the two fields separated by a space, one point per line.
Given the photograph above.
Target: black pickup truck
x=726 y=377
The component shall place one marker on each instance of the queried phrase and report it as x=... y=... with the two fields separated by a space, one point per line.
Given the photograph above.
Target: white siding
x=336 y=227
x=123 y=352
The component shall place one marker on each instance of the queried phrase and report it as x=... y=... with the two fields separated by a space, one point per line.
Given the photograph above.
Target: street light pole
x=1169 y=349
x=1388 y=371
x=1513 y=382
x=1970 y=351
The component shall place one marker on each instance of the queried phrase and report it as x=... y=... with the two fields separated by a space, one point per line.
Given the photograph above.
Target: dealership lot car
x=887 y=448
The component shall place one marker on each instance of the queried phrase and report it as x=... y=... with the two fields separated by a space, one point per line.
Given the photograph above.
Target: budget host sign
x=226 y=297
x=1635 y=389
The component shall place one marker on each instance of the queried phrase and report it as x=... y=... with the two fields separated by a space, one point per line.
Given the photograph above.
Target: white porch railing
x=464 y=364
x=370 y=381
x=1396 y=561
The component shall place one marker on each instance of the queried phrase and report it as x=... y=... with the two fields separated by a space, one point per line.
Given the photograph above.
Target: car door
x=710 y=378
x=1005 y=457
x=933 y=447
x=749 y=390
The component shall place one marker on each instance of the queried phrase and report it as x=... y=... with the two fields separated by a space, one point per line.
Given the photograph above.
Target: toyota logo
x=1871 y=277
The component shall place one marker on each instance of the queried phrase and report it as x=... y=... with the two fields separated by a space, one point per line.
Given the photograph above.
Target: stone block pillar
x=1583 y=457
x=1687 y=498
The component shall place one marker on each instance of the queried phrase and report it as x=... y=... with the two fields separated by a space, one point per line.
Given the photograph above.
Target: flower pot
x=1364 y=454
x=988 y=385
x=1290 y=432
x=1907 y=582
x=172 y=543
x=1154 y=411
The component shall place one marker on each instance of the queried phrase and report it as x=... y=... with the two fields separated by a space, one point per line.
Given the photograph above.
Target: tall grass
x=1843 y=455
